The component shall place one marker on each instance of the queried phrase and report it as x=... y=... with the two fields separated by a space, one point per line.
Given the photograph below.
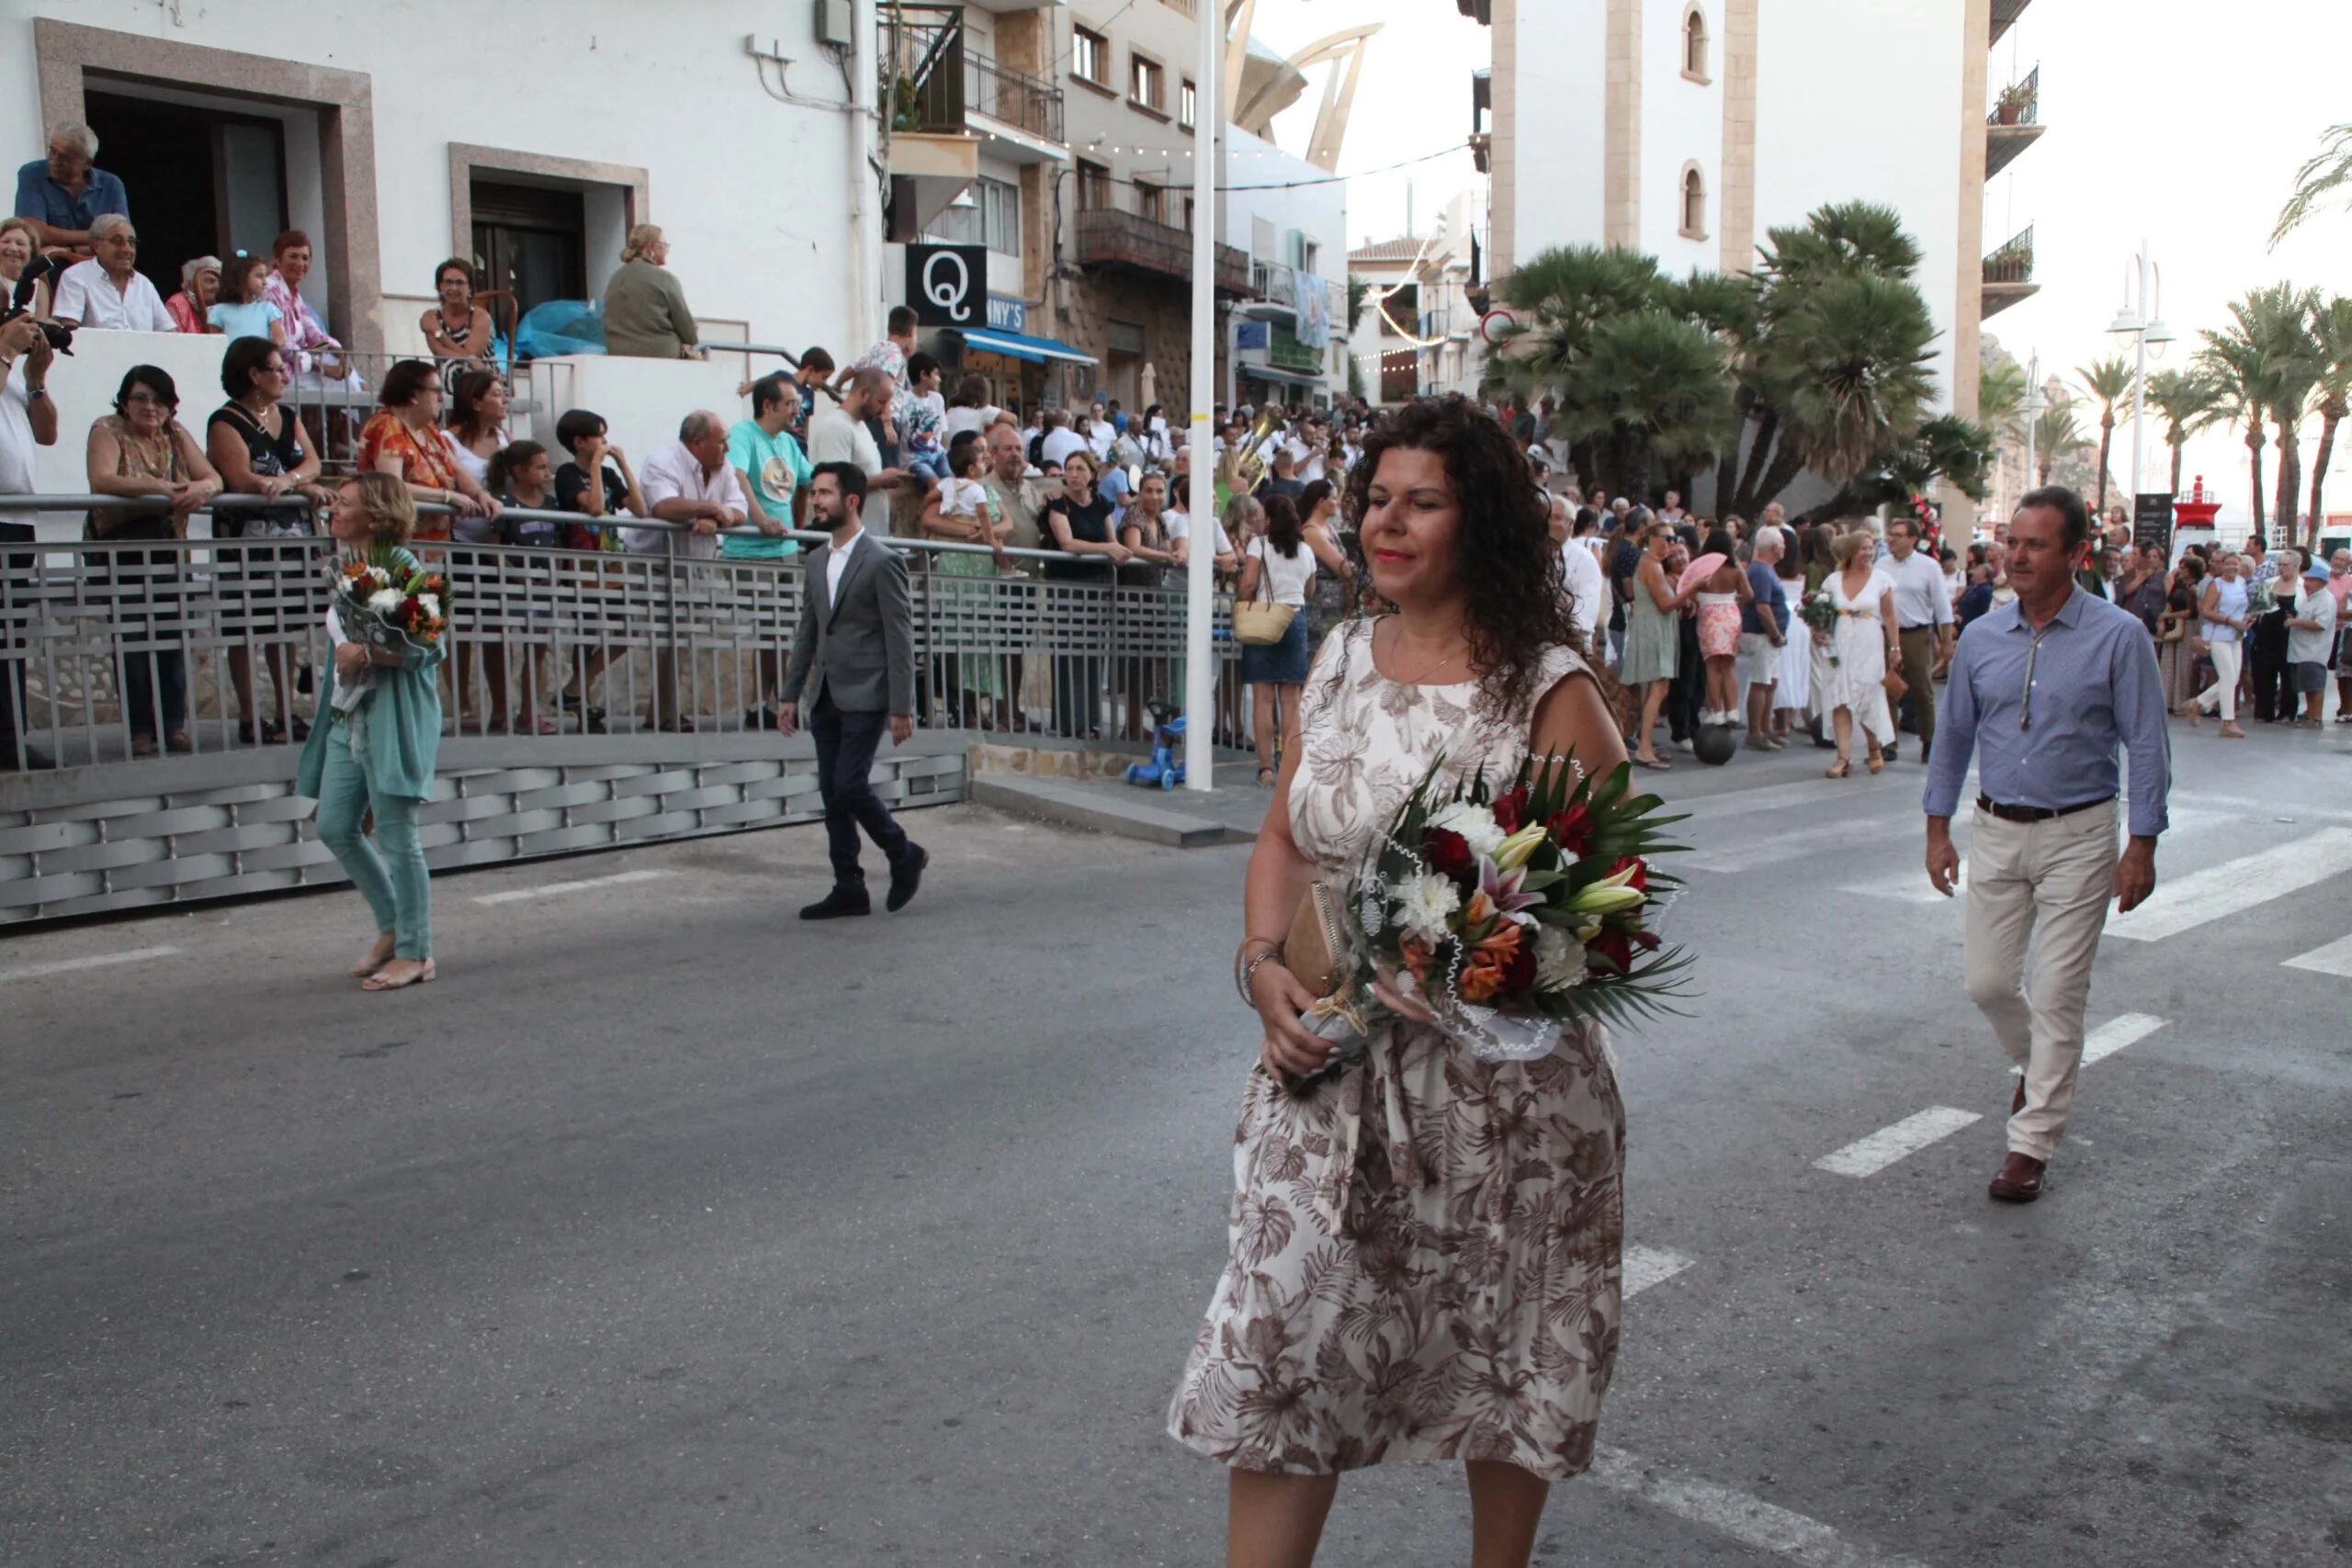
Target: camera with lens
x=20 y=303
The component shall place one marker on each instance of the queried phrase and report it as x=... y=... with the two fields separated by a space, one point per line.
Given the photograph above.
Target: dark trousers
x=1685 y=696
x=845 y=745
x=2267 y=661
x=1919 y=671
x=16 y=608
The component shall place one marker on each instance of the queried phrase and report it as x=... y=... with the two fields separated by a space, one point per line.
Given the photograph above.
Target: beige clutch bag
x=1312 y=949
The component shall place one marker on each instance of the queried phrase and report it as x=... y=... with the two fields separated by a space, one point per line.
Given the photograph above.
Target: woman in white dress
x=1792 y=687
x=1425 y=1254
x=1865 y=648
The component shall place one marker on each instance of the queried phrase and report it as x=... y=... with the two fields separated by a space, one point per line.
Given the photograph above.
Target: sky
x=2174 y=123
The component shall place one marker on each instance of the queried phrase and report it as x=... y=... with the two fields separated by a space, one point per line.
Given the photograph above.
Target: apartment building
x=1688 y=127
x=1418 y=335
x=1290 y=338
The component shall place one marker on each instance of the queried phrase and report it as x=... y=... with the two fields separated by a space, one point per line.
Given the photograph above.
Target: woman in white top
x=2223 y=630
x=1863 y=649
x=475 y=433
x=1792 y=688
x=1277 y=565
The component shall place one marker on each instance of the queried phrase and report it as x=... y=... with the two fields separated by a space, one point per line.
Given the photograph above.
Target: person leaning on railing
x=404 y=439
x=373 y=754
x=689 y=482
x=28 y=420
x=142 y=450
x=457 y=328
x=258 y=446
x=595 y=489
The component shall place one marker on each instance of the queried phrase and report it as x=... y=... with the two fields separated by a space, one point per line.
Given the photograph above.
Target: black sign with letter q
x=948 y=285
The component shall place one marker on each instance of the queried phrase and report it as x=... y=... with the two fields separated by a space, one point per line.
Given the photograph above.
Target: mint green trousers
x=388 y=869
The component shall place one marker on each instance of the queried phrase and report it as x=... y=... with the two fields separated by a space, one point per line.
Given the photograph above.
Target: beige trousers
x=2047 y=883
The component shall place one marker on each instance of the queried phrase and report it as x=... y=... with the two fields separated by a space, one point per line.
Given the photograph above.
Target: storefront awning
x=1283 y=377
x=1020 y=345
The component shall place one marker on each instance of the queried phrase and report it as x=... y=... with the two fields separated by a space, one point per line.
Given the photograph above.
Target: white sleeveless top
x=1368 y=741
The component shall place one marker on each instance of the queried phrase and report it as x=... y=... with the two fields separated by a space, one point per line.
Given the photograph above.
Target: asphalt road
x=666 y=1230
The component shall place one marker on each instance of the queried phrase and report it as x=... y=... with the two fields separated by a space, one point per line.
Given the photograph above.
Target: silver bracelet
x=1246 y=974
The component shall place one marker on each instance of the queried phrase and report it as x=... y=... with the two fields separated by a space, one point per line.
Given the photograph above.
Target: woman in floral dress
x=1425 y=1252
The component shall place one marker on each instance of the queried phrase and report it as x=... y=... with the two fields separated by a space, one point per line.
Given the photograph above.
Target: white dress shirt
x=87 y=295
x=836 y=563
x=1588 y=593
x=1059 y=444
x=674 y=473
x=1920 y=598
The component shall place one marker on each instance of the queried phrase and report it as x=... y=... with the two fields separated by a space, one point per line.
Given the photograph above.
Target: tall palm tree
x=1857 y=351
x=2108 y=382
x=2000 y=398
x=2239 y=360
x=2329 y=171
x=2331 y=335
x=2187 y=402
x=1564 y=296
x=2280 y=317
x=2055 y=435
x=1651 y=387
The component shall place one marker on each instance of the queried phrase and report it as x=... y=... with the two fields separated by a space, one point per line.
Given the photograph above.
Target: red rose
x=1448 y=853
x=1615 y=946
x=1511 y=811
x=1640 y=882
x=1572 y=830
x=1519 y=970
x=1647 y=940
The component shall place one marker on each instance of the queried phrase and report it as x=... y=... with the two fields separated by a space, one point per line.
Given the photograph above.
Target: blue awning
x=1020 y=345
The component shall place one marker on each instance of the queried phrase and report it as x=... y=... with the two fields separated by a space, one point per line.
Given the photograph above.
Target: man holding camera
x=27 y=419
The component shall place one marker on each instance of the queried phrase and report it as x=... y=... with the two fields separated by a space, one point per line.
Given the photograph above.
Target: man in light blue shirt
x=2046 y=690
x=63 y=195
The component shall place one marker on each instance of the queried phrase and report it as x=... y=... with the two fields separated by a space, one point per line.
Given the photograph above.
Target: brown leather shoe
x=2020 y=1179
x=2017 y=1101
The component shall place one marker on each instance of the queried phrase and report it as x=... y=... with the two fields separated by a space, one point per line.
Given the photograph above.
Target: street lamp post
x=1200 y=660
x=2032 y=408
x=2143 y=319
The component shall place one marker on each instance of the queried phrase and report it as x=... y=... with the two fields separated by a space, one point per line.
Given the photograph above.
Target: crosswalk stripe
x=2335 y=958
x=1647 y=1265
x=95 y=961
x=1751 y=1521
x=1868 y=1156
x=2116 y=1033
x=1768 y=848
x=1803 y=791
x=2236 y=886
x=548 y=889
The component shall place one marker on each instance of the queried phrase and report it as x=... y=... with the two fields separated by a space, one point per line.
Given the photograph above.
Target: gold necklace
x=1423 y=676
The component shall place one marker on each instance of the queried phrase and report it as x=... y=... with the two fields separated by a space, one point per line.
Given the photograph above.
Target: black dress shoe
x=2020 y=1179
x=906 y=875
x=840 y=902
x=1892 y=753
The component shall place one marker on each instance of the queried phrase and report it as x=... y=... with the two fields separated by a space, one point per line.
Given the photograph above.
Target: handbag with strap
x=1895 y=686
x=1262 y=621
x=1311 y=951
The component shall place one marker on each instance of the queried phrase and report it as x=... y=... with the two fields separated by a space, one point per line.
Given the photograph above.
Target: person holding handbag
x=1424 y=1256
x=1277 y=566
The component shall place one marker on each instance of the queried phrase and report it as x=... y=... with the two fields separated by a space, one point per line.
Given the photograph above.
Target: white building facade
x=1290 y=341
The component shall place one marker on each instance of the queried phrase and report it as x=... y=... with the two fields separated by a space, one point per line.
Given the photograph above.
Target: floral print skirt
x=1425 y=1265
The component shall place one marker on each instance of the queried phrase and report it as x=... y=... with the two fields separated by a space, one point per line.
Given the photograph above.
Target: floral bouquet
x=1511 y=916
x=386 y=599
x=2261 y=598
x=1820 y=611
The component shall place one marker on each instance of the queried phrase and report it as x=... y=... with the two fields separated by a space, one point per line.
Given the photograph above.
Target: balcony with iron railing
x=2014 y=122
x=2008 y=273
x=1111 y=236
x=1012 y=97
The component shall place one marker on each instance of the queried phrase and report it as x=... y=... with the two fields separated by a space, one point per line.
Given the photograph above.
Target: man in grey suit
x=855 y=648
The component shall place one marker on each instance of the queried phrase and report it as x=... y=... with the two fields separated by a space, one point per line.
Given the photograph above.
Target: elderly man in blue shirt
x=63 y=195
x=2047 y=691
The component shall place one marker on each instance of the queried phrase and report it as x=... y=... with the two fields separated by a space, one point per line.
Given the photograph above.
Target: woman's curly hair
x=1514 y=598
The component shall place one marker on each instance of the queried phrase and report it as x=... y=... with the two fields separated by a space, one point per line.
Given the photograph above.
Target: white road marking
x=1868 y=1156
x=2335 y=958
x=95 y=961
x=1751 y=1521
x=1913 y=887
x=1768 y=848
x=1647 y=1265
x=1803 y=791
x=2116 y=1033
x=2258 y=813
x=2237 y=885
x=548 y=889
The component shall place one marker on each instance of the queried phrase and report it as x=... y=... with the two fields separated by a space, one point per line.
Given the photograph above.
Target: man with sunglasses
x=108 y=291
x=2046 y=692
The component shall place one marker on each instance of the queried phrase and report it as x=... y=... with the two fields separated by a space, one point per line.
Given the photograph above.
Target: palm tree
x=2055 y=435
x=1856 y=352
x=2187 y=402
x=1651 y=387
x=2239 y=361
x=2108 y=382
x=1564 y=296
x=2000 y=398
x=2330 y=170
x=2331 y=335
x=2280 y=317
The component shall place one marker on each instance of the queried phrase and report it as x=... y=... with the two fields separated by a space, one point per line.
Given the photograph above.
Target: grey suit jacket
x=862 y=647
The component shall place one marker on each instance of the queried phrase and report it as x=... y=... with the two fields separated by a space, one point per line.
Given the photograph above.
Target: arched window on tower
x=1694 y=44
x=1694 y=203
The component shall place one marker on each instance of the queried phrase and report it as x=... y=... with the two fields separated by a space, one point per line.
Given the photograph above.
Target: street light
x=2032 y=408
x=2142 y=318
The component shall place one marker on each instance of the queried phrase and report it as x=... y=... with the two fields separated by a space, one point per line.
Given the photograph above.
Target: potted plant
x=2011 y=105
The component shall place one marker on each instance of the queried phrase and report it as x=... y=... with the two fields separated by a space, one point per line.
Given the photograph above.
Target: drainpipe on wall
x=865 y=170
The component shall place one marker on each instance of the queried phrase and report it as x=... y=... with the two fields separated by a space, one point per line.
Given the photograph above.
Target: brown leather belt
x=2032 y=812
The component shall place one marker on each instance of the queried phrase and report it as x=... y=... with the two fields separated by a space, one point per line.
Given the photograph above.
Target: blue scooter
x=1165 y=771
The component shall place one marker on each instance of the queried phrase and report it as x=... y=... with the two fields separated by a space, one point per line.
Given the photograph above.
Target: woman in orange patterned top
x=406 y=441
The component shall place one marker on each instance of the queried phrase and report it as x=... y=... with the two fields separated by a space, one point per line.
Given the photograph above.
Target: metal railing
x=113 y=650
x=2013 y=262
x=333 y=408
x=1108 y=236
x=1274 y=283
x=922 y=71
x=1014 y=97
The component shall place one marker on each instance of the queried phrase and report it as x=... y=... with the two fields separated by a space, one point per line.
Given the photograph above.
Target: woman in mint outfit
x=377 y=755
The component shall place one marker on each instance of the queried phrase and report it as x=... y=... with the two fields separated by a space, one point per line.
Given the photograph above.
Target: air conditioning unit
x=833 y=25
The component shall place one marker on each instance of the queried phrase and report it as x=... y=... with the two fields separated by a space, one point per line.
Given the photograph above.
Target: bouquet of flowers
x=386 y=599
x=2261 y=598
x=1511 y=916
x=1820 y=611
